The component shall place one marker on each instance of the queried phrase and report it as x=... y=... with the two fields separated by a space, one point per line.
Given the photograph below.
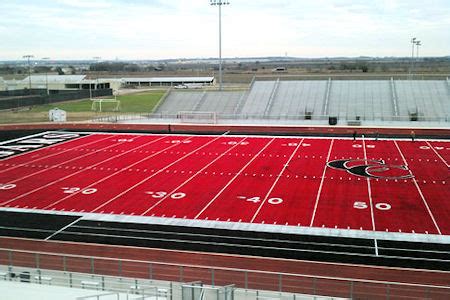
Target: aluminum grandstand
x=351 y=102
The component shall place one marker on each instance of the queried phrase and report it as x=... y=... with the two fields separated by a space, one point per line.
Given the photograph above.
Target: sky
x=164 y=29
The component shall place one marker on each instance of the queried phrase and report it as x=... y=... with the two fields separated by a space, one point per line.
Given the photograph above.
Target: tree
x=59 y=70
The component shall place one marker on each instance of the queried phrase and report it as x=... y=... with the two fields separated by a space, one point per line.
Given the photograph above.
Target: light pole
x=418 y=43
x=97 y=59
x=28 y=56
x=219 y=3
x=46 y=74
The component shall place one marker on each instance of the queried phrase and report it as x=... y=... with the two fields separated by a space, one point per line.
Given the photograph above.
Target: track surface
x=265 y=180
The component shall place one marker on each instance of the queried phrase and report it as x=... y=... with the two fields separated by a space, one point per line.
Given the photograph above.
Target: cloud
x=85 y=3
x=180 y=28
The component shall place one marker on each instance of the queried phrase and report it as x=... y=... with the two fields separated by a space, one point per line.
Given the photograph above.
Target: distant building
x=59 y=82
x=78 y=82
x=168 y=81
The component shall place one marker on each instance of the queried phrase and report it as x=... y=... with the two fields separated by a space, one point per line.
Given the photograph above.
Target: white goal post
x=197 y=117
x=99 y=105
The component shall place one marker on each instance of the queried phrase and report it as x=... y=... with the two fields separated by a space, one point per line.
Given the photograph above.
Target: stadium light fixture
x=28 y=56
x=219 y=3
x=46 y=74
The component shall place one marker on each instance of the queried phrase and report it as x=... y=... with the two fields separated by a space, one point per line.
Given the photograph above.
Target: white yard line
x=62 y=229
x=192 y=177
x=232 y=179
x=276 y=181
x=154 y=174
x=434 y=150
x=369 y=188
x=369 y=191
x=419 y=190
x=51 y=155
x=321 y=184
x=78 y=172
x=123 y=169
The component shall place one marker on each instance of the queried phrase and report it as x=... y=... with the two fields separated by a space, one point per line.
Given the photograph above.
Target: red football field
x=337 y=183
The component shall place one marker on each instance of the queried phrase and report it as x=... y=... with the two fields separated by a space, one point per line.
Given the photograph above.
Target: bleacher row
x=384 y=100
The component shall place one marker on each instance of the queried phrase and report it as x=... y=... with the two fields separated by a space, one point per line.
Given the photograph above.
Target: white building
x=77 y=82
x=61 y=82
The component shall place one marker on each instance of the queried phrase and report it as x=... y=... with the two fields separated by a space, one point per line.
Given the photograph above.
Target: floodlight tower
x=46 y=74
x=219 y=3
x=418 y=44
x=97 y=59
x=413 y=42
x=28 y=56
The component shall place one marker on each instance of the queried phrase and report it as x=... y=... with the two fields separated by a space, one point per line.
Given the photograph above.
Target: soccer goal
x=101 y=105
x=198 y=117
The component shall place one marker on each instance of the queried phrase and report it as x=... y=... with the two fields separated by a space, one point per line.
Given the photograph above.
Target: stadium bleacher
x=375 y=101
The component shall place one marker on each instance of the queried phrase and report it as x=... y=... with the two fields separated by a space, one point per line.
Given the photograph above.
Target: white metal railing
x=101 y=273
x=237 y=117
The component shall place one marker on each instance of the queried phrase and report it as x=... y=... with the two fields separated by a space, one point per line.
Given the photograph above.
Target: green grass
x=80 y=110
x=141 y=102
x=131 y=103
x=70 y=106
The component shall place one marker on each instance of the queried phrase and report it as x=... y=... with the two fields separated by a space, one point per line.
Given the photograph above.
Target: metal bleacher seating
x=351 y=101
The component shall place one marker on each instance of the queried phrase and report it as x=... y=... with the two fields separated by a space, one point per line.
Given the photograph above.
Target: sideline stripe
x=419 y=190
x=276 y=180
x=321 y=184
x=192 y=177
x=232 y=179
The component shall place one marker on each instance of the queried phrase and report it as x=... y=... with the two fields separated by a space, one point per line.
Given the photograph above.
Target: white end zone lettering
x=37 y=141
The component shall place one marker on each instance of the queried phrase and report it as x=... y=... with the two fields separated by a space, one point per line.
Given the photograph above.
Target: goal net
x=198 y=117
x=105 y=105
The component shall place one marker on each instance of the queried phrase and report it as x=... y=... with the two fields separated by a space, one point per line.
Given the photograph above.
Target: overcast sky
x=158 y=29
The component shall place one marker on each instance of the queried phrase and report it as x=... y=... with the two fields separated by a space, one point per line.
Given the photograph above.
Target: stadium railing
x=100 y=268
x=343 y=120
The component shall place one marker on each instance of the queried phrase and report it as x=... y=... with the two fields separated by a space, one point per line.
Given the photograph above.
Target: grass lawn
x=132 y=103
x=79 y=110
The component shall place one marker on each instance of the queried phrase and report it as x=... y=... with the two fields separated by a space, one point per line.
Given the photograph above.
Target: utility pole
x=46 y=74
x=418 y=44
x=219 y=3
x=28 y=56
x=97 y=59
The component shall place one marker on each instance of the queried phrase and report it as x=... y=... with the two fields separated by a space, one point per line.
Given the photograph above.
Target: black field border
x=325 y=248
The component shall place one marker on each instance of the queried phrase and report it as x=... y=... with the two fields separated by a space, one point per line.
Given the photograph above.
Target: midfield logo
x=371 y=168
